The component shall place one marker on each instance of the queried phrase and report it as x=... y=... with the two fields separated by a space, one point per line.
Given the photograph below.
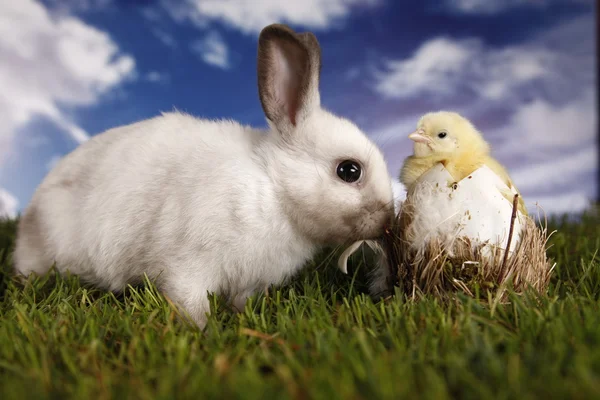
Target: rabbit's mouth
x=370 y=225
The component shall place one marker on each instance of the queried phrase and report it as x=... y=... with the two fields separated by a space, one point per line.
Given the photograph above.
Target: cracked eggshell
x=473 y=207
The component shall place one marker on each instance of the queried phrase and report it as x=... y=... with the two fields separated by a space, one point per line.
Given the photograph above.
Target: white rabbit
x=212 y=206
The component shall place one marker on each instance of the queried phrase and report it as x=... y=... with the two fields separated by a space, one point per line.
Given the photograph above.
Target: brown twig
x=510 y=232
x=426 y=267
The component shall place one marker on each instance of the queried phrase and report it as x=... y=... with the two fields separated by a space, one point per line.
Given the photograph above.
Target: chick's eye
x=442 y=135
x=349 y=171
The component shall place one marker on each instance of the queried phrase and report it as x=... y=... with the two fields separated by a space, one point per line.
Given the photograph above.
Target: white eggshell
x=473 y=207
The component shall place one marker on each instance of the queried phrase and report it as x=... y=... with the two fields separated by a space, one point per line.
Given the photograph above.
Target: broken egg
x=479 y=207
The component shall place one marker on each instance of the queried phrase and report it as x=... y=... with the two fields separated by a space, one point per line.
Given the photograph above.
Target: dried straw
x=432 y=269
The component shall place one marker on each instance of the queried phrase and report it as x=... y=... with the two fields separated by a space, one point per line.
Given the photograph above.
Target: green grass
x=319 y=337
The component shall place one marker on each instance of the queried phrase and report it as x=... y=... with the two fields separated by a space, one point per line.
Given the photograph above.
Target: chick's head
x=446 y=133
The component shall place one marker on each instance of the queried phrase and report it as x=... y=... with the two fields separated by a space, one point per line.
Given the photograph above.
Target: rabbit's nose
x=383 y=210
x=378 y=221
x=376 y=207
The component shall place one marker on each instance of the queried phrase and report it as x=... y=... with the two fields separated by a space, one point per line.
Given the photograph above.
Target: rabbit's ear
x=289 y=66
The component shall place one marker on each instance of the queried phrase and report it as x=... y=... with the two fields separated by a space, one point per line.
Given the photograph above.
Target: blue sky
x=522 y=70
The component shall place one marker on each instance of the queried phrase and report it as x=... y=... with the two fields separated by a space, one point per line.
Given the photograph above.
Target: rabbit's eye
x=349 y=171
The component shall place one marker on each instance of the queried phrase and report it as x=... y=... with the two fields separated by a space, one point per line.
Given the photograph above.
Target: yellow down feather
x=449 y=138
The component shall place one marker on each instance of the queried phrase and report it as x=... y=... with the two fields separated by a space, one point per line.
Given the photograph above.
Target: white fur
x=204 y=206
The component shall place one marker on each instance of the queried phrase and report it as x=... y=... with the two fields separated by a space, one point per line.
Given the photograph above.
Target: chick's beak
x=419 y=137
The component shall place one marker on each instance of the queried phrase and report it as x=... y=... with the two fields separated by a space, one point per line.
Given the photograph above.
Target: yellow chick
x=449 y=138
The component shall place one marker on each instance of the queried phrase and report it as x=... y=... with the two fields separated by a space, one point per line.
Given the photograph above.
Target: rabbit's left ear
x=289 y=67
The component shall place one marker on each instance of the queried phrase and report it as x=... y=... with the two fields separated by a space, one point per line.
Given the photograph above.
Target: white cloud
x=8 y=204
x=71 y=6
x=35 y=140
x=251 y=16
x=566 y=203
x=156 y=77
x=151 y=14
x=443 y=66
x=213 y=50
x=549 y=129
x=556 y=64
x=495 y=6
x=562 y=171
x=49 y=62
x=430 y=69
x=352 y=73
x=166 y=38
